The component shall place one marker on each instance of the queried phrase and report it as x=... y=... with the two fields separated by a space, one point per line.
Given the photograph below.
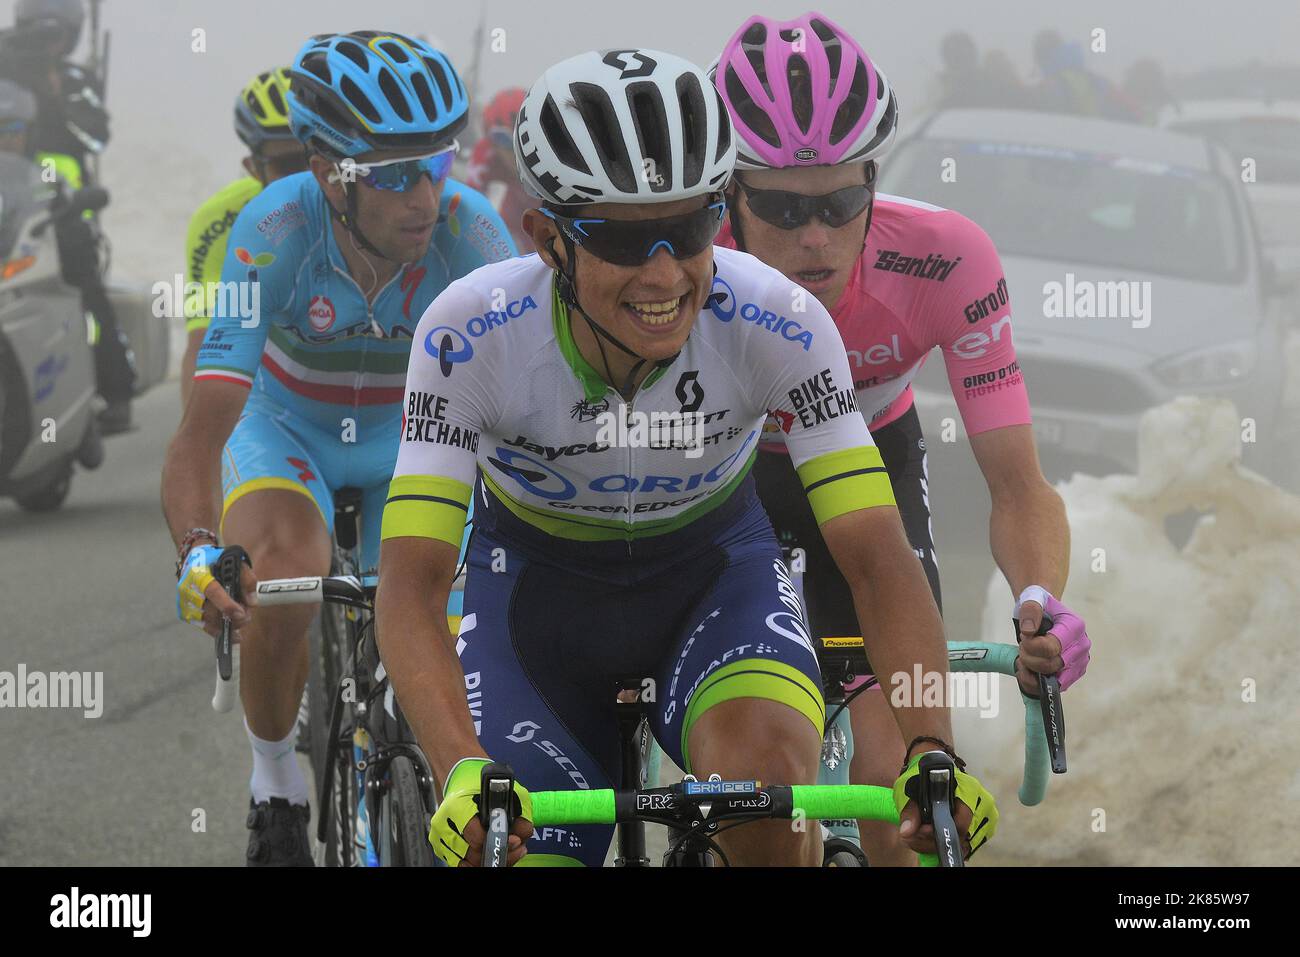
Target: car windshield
x=1079 y=207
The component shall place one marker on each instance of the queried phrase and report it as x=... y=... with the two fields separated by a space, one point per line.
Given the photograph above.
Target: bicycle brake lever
x=229 y=575
x=496 y=812
x=936 y=793
x=1051 y=704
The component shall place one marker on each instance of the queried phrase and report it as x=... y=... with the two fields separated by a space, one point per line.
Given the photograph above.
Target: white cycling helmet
x=623 y=126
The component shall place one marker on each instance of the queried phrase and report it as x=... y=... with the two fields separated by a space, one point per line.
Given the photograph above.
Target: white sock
x=275 y=769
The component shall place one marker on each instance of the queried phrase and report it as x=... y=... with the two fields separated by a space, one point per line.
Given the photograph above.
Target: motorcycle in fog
x=47 y=369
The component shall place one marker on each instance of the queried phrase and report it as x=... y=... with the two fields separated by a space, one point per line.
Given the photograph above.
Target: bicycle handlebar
x=974 y=656
x=693 y=802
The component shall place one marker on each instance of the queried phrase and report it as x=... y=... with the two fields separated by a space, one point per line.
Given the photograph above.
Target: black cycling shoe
x=279 y=834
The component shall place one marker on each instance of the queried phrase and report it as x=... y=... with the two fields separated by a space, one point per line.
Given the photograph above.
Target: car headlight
x=1225 y=363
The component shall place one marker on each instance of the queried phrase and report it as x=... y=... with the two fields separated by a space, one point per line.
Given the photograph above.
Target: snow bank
x=1183 y=732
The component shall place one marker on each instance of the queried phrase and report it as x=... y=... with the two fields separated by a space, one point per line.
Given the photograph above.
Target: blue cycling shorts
x=706 y=616
x=271 y=448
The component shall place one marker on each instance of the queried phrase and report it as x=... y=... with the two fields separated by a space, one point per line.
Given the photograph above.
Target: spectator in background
x=492 y=168
x=1002 y=83
x=1067 y=86
x=1147 y=90
x=960 y=82
x=964 y=82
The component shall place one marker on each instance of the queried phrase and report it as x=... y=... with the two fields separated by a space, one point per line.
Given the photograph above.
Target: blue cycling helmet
x=351 y=93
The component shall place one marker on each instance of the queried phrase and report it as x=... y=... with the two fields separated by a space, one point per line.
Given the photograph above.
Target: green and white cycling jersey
x=495 y=382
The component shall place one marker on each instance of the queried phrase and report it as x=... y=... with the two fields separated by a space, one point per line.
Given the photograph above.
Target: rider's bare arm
x=191 y=478
x=1028 y=529
x=193 y=340
x=419 y=650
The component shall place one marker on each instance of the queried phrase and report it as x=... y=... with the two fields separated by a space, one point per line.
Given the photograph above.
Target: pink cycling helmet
x=803 y=93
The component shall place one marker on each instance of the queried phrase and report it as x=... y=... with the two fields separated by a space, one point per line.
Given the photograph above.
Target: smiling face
x=814 y=255
x=398 y=224
x=650 y=308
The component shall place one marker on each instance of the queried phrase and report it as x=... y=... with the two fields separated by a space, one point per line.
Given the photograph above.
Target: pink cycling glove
x=1069 y=629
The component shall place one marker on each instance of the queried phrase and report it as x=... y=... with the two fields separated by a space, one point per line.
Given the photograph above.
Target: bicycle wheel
x=404 y=821
x=331 y=740
x=838 y=852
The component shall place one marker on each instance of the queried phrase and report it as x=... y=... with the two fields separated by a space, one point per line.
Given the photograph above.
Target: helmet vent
x=695 y=123
x=752 y=43
x=883 y=129
x=830 y=43
x=853 y=105
x=354 y=52
x=317 y=66
x=395 y=52
x=424 y=93
x=358 y=100
x=393 y=92
x=557 y=137
x=277 y=101
x=651 y=122
x=801 y=92
x=724 y=128
x=440 y=77
x=602 y=124
x=749 y=113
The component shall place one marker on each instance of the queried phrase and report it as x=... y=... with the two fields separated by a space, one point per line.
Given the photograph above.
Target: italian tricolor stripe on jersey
x=845 y=481
x=225 y=375
x=336 y=377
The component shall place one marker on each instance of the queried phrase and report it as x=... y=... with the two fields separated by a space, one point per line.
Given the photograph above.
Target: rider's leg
x=877 y=757
x=285 y=537
x=767 y=741
x=740 y=693
x=525 y=648
x=277 y=506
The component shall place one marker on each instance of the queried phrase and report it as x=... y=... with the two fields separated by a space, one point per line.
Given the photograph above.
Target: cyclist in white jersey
x=610 y=394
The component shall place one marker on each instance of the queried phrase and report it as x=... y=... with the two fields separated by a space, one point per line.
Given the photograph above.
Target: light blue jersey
x=326 y=369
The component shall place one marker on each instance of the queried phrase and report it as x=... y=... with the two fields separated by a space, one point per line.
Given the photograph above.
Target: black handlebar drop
x=228 y=573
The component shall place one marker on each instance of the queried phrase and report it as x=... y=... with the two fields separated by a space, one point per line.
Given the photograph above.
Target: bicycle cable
x=867 y=685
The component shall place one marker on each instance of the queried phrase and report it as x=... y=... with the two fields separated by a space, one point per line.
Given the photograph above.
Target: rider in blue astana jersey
x=325 y=368
x=300 y=379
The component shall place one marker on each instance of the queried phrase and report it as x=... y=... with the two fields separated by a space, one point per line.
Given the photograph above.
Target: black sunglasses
x=630 y=242
x=792 y=210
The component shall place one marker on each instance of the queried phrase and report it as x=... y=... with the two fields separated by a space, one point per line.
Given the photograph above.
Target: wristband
x=192 y=538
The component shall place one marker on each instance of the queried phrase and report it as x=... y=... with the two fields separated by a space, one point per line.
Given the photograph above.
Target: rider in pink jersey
x=928 y=277
x=812 y=116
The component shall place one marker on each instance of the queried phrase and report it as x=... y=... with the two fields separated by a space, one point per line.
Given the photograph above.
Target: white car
x=1134 y=267
x=1265 y=133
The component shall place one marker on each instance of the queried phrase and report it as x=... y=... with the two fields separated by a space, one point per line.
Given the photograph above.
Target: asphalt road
x=158 y=777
